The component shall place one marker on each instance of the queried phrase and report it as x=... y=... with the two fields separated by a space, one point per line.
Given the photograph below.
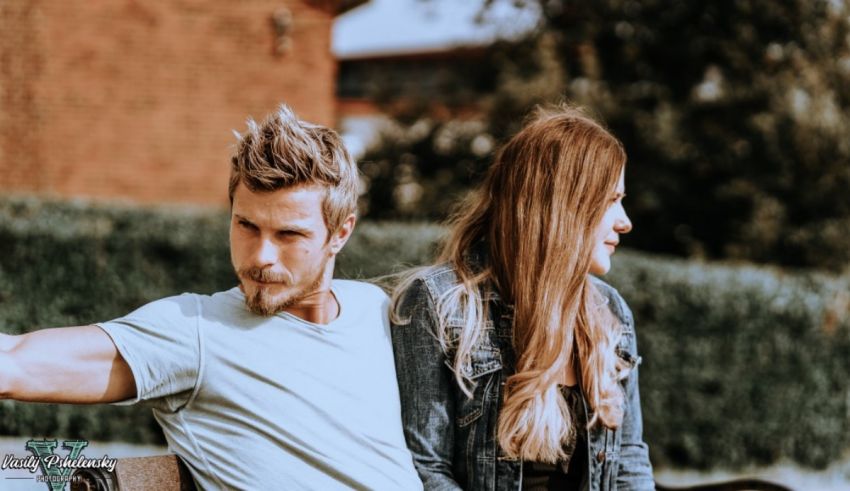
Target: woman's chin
x=600 y=266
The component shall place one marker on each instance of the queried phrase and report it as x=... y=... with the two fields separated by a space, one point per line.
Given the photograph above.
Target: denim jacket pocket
x=484 y=361
x=475 y=419
x=625 y=347
x=610 y=469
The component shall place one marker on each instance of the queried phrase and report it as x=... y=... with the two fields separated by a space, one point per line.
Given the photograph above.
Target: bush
x=743 y=365
x=64 y=264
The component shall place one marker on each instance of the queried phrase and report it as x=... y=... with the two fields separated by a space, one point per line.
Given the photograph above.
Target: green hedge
x=742 y=365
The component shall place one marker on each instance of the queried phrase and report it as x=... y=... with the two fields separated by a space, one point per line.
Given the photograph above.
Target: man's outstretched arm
x=76 y=365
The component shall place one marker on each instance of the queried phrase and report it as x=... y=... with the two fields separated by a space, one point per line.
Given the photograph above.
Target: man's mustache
x=265 y=275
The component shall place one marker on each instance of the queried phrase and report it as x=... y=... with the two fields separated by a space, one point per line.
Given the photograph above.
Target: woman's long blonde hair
x=537 y=212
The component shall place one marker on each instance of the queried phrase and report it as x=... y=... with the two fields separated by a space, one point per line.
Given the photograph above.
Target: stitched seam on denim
x=464 y=421
x=470 y=443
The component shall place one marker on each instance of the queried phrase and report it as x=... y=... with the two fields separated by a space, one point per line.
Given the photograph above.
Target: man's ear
x=340 y=237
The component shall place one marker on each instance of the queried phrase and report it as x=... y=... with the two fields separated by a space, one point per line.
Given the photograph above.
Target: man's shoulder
x=360 y=290
x=183 y=305
x=186 y=305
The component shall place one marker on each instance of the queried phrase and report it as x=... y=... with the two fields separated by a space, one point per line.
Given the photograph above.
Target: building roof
x=381 y=28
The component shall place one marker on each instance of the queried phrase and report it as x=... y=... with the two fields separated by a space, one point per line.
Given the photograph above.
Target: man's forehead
x=301 y=196
x=298 y=204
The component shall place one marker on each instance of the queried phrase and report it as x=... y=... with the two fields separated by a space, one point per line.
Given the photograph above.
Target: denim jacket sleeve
x=635 y=471
x=425 y=388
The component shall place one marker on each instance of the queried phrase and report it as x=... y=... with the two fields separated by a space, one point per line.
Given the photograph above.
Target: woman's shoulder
x=423 y=285
x=627 y=345
x=615 y=301
x=437 y=278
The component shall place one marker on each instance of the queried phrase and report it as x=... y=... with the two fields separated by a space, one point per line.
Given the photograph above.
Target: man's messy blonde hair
x=285 y=152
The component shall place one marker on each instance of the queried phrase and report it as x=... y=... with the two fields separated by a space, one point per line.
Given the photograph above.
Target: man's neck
x=320 y=307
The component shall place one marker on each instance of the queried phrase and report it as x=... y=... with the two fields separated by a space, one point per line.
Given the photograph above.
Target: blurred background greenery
x=736 y=118
x=744 y=365
x=735 y=115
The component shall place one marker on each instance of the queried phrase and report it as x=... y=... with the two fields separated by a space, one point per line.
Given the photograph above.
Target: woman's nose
x=623 y=225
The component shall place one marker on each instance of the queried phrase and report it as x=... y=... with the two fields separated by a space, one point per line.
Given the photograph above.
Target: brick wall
x=135 y=100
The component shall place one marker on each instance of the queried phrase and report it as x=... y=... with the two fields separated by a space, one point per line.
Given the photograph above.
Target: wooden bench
x=160 y=473
x=167 y=473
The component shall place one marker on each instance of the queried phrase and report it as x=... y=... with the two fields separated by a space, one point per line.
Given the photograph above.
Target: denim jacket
x=453 y=437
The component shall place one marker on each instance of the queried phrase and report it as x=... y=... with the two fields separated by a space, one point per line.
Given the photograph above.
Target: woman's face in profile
x=614 y=223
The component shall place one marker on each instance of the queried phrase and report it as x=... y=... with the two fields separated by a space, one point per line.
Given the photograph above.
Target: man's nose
x=266 y=253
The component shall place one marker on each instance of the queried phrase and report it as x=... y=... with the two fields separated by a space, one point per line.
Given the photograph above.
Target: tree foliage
x=735 y=115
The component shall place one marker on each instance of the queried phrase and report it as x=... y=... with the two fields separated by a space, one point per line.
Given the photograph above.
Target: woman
x=516 y=368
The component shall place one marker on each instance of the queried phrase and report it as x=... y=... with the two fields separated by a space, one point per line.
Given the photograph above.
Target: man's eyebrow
x=286 y=227
x=295 y=228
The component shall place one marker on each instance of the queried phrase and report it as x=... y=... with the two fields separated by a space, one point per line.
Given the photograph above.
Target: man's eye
x=247 y=225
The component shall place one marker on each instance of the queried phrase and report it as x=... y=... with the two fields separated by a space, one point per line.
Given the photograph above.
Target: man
x=286 y=382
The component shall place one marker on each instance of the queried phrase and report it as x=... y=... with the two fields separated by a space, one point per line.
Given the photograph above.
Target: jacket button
x=600 y=457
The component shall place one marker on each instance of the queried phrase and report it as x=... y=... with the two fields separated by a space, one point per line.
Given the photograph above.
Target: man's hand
x=75 y=365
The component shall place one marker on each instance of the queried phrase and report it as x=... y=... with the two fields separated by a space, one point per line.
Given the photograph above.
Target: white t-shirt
x=252 y=402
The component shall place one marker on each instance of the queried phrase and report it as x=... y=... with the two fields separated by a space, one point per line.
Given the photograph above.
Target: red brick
x=136 y=100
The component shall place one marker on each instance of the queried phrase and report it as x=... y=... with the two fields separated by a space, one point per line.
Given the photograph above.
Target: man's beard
x=261 y=302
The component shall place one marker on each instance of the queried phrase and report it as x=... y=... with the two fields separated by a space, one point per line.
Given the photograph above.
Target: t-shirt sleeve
x=160 y=342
